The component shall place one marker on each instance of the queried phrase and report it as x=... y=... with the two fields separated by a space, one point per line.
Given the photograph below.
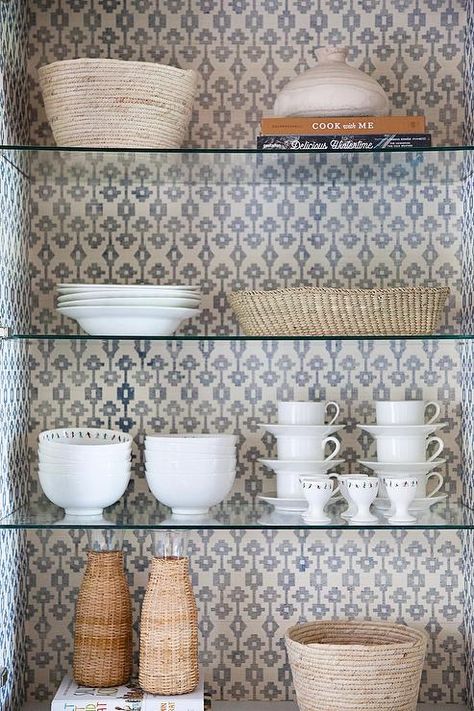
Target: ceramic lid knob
x=332 y=88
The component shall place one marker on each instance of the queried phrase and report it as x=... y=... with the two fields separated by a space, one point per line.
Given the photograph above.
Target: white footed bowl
x=193 y=494
x=86 y=494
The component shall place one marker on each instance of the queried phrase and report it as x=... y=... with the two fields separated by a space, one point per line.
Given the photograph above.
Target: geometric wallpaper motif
x=14 y=311
x=335 y=222
x=250 y=587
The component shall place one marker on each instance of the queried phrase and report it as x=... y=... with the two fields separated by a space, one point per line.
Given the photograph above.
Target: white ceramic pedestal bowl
x=86 y=494
x=362 y=492
x=351 y=507
x=190 y=493
x=401 y=492
x=318 y=491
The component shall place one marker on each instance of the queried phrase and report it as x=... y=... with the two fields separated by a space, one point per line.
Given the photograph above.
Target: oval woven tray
x=319 y=311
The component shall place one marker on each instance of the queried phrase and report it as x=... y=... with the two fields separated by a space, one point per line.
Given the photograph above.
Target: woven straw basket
x=169 y=630
x=314 y=311
x=356 y=666
x=112 y=103
x=103 y=624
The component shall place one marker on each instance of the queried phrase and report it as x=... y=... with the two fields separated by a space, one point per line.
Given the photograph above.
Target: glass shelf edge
x=233 y=337
x=224 y=151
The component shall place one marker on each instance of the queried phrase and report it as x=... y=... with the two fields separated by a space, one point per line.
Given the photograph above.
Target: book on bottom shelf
x=73 y=697
x=339 y=144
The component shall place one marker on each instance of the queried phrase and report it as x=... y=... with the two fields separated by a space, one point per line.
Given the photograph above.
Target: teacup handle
x=440 y=478
x=437 y=413
x=338 y=487
x=438 y=450
x=336 y=407
x=337 y=447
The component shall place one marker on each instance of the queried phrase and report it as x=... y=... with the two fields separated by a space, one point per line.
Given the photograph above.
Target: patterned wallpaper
x=14 y=311
x=332 y=222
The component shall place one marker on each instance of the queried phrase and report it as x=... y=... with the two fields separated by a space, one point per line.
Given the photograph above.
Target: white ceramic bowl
x=84 y=296
x=193 y=494
x=84 y=435
x=180 y=303
x=86 y=494
x=80 y=468
x=180 y=469
x=191 y=442
x=62 y=286
x=127 y=321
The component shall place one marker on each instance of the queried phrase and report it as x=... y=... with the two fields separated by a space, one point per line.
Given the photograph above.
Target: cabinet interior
x=230 y=221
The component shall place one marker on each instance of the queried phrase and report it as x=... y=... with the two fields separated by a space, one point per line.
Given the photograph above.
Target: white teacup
x=405 y=412
x=296 y=447
x=421 y=483
x=318 y=491
x=306 y=413
x=393 y=448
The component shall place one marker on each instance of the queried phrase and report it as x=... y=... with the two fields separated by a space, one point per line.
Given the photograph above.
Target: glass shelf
x=233 y=337
x=149 y=514
x=228 y=166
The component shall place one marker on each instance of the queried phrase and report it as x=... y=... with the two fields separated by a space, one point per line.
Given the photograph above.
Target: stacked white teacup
x=302 y=438
x=407 y=449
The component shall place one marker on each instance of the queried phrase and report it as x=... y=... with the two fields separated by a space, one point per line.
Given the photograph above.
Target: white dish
x=284 y=505
x=385 y=468
x=418 y=505
x=125 y=287
x=192 y=444
x=192 y=495
x=402 y=430
x=301 y=430
x=181 y=469
x=175 y=302
x=123 y=321
x=132 y=295
x=86 y=494
x=84 y=436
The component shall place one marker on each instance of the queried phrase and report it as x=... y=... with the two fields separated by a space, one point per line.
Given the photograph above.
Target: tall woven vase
x=169 y=628
x=103 y=623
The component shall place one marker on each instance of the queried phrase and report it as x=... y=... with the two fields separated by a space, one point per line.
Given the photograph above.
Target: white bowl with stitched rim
x=194 y=494
x=179 y=468
x=84 y=435
x=128 y=321
x=85 y=494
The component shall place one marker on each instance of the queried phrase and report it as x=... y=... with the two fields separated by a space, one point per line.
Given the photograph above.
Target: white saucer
x=402 y=430
x=405 y=468
x=284 y=505
x=301 y=430
x=419 y=505
x=300 y=466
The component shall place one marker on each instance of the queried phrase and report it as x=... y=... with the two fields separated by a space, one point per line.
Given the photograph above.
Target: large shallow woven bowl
x=356 y=666
x=112 y=103
x=315 y=311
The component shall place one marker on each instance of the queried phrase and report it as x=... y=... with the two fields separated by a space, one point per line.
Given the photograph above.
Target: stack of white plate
x=190 y=473
x=128 y=309
x=84 y=470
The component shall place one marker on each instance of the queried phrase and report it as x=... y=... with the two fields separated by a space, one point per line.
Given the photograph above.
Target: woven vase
x=169 y=630
x=103 y=624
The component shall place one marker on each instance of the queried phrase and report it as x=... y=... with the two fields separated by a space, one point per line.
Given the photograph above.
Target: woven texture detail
x=356 y=666
x=169 y=630
x=107 y=102
x=103 y=624
x=314 y=311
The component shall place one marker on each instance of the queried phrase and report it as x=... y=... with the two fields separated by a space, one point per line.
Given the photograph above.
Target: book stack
x=72 y=697
x=342 y=133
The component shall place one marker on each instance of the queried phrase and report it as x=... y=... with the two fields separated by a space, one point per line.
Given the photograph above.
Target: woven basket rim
x=119 y=63
x=420 y=635
x=327 y=290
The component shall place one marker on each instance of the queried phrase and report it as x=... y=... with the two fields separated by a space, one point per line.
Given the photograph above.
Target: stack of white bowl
x=302 y=437
x=190 y=473
x=128 y=309
x=84 y=470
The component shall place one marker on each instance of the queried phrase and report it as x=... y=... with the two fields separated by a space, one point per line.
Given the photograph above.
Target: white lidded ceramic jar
x=332 y=88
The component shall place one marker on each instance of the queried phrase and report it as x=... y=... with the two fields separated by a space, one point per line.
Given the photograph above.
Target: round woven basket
x=315 y=311
x=112 y=103
x=356 y=666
